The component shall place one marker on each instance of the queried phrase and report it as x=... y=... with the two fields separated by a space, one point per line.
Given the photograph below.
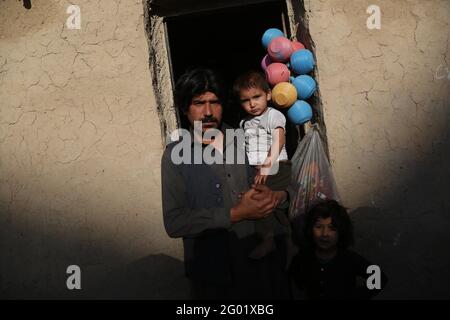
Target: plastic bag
x=312 y=178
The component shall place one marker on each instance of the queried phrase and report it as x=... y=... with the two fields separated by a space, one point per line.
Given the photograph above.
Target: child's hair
x=250 y=79
x=340 y=220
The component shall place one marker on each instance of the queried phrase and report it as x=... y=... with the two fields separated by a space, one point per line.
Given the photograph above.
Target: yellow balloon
x=284 y=95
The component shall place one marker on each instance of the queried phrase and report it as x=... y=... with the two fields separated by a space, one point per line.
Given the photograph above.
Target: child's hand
x=260 y=178
x=267 y=163
x=264 y=169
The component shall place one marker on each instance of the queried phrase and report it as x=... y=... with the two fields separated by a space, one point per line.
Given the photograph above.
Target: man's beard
x=210 y=122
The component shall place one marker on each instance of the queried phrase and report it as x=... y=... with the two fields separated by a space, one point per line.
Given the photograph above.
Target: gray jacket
x=196 y=200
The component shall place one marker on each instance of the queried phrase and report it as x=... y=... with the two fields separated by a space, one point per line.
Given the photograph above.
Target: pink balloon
x=297 y=45
x=280 y=49
x=277 y=72
x=265 y=62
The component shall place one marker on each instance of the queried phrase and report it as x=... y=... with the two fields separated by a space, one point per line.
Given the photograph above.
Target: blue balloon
x=300 y=112
x=269 y=35
x=302 y=61
x=305 y=85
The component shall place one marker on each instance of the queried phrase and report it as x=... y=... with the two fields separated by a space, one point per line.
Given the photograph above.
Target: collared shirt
x=197 y=199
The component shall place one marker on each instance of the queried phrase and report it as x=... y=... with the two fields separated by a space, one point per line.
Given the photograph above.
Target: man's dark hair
x=248 y=80
x=340 y=220
x=197 y=81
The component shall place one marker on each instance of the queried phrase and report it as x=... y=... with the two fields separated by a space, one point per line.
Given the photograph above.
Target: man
x=213 y=206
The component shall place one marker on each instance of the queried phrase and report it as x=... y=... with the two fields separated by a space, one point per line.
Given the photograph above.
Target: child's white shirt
x=258 y=135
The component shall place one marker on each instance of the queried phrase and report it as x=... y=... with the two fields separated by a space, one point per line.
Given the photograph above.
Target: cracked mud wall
x=386 y=103
x=80 y=145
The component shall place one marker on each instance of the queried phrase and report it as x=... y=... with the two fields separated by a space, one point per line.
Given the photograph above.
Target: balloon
x=305 y=85
x=265 y=62
x=300 y=112
x=270 y=34
x=296 y=45
x=280 y=49
x=284 y=95
x=302 y=61
x=277 y=72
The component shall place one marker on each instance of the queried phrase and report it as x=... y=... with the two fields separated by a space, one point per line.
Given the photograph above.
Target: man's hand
x=257 y=203
x=265 y=192
x=253 y=204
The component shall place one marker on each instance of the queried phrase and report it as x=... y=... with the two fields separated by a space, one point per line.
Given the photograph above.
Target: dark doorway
x=229 y=41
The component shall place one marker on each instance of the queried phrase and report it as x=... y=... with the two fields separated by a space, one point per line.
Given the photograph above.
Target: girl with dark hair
x=325 y=268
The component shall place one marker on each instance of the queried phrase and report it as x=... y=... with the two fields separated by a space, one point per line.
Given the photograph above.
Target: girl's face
x=254 y=100
x=325 y=234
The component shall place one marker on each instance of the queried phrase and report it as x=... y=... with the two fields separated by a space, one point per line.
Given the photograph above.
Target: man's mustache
x=209 y=120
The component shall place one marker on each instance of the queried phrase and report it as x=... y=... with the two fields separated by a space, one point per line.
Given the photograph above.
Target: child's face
x=325 y=234
x=254 y=100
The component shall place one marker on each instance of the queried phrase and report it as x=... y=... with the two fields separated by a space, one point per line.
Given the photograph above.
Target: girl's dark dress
x=334 y=279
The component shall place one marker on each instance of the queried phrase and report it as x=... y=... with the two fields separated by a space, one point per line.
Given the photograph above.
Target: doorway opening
x=224 y=35
x=227 y=40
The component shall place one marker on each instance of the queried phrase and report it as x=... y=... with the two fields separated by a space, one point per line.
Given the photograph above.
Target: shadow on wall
x=409 y=237
x=405 y=231
x=37 y=259
x=153 y=277
x=156 y=277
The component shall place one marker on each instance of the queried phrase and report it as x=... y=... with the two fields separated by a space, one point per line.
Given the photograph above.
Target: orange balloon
x=284 y=95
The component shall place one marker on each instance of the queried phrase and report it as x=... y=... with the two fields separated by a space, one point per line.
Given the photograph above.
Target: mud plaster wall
x=80 y=146
x=386 y=106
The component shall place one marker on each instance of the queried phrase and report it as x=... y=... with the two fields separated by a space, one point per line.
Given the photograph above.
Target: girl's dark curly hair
x=340 y=220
